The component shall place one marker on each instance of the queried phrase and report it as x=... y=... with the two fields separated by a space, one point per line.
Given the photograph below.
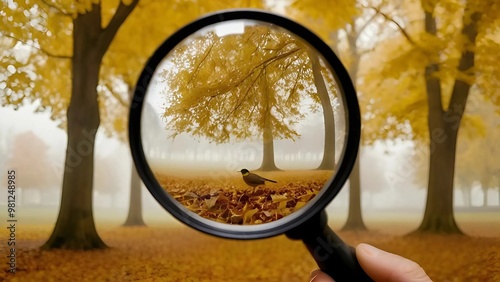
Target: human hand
x=381 y=266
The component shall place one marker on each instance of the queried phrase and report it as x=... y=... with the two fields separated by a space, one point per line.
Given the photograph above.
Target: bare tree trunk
x=485 y=193
x=443 y=132
x=328 y=161
x=134 y=217
x=354 y=219
x=466 y=195
x=439 y=215
x=268 y=163
x=75 y=228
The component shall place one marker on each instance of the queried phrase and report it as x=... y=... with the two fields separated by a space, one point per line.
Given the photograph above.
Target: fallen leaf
x=278 y=198
x=211 y=202
x=248 y=215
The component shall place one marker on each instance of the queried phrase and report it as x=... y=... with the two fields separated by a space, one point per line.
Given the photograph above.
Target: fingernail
x=370 y=250
x=313 y=274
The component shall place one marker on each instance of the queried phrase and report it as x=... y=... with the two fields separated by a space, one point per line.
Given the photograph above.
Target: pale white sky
x=24 y=119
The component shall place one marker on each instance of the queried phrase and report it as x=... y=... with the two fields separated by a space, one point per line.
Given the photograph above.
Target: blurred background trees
x=29 y=156
x=417 y=66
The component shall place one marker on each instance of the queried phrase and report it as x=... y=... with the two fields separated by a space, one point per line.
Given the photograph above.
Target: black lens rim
x=344 y=82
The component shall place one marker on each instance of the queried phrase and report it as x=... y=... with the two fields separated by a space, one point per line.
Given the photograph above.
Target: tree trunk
x=354 y=219
x=443 y=132
x=466 y=195
x=134 y=217
x=75 y=228
x=268 y=163
x=485 y=194
x=328 y=161
x=438 y=216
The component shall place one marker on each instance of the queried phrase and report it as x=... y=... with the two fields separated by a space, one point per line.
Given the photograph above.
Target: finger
x=319 y=276
x=382 y=266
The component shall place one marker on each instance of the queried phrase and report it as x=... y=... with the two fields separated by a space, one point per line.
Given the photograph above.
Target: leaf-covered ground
x=229 y=200
x=178 y=253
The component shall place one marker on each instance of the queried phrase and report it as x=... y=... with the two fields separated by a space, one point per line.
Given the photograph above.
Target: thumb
x=319 y=276
x=382 y=266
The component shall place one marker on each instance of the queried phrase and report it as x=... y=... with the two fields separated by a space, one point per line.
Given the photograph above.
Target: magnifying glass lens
x=243 y=123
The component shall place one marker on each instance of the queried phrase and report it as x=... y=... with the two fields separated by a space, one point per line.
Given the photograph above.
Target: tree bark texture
x=75 y=228
x=443 y=128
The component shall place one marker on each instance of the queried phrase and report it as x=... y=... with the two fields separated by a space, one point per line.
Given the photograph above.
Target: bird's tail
x=269 y=180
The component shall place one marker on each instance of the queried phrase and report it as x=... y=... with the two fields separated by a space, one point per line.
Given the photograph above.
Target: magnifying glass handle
x=333 y=256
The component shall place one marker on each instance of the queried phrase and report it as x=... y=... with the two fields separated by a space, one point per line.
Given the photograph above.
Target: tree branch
x=365 y=24
x=49 y=54
x=198 y=66
x=461 y=88
x=401 y=29
x=365 y=51
x=120 y=16
x=116 y=95
x=433 y=83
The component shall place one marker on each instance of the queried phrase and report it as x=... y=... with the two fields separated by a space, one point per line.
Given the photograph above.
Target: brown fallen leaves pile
x=229 y=200
x=178 y=253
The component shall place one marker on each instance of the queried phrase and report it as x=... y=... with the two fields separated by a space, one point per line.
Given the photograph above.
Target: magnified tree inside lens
x=253 y=123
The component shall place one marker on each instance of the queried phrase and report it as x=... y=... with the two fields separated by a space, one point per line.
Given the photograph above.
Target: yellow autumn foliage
x=393 y=74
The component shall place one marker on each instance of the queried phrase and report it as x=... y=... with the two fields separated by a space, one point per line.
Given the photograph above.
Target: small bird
x=252 y=179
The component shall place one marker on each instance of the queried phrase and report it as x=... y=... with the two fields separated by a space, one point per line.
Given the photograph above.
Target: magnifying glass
x=245 y=125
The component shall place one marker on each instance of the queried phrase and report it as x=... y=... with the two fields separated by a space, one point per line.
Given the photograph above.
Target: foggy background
x=387 y=173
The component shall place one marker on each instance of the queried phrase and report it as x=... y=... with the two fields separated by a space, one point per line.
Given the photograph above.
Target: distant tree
x=108 y=175
x=352 y=53
x=29 y=157
x=5 y=144
x=477 y=159
x=373 y=170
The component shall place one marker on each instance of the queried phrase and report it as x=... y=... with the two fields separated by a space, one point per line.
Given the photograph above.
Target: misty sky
x=395 y=194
